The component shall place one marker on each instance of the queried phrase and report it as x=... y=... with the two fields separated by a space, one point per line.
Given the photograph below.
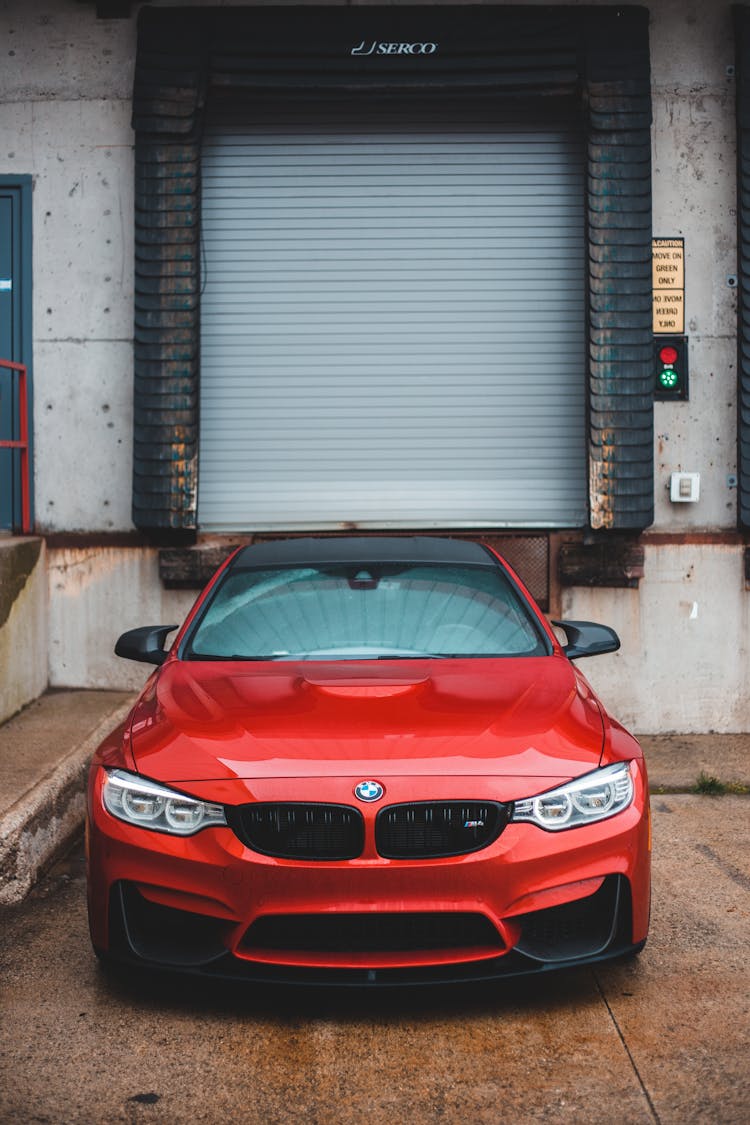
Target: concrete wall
x=684 y=658
x=65 y=90
x=23 y=623
x=695 y=196
x=683 y=665
x=96 y=595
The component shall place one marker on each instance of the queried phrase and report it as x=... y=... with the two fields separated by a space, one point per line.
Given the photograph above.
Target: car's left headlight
x=136 y=800
x=595 y=796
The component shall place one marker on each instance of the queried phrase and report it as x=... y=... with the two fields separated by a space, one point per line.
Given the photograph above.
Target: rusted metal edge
x=615 y=562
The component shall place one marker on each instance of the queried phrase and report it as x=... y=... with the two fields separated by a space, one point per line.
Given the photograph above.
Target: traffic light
x=671 y=362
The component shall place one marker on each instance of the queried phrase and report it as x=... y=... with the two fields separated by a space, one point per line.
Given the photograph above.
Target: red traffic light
x=668 y=354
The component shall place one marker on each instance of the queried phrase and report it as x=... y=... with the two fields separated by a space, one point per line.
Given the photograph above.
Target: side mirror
x=586 y=638
x=145 y=644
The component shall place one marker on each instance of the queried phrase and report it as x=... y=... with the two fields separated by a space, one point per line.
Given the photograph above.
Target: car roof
x=356 y=549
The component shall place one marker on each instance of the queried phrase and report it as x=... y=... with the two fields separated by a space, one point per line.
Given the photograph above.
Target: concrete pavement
x=44 y=754
x=677 y=761
x=661 y=1040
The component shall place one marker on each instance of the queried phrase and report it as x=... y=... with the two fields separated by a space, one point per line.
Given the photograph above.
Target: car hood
x=210 y=721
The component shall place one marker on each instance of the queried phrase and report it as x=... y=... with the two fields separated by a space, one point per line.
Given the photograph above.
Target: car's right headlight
x=595 y=796
x=136 y=800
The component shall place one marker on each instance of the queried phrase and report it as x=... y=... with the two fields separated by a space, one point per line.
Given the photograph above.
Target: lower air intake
x=371 y=933
x=582 y=928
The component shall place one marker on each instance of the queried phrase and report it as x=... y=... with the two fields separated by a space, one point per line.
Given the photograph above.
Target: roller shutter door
x=393 y=316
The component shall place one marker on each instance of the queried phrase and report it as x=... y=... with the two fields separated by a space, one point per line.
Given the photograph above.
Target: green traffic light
x=670 y=370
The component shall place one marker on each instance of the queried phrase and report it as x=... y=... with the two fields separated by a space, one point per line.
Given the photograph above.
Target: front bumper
x=581 y=933
x=530 y=902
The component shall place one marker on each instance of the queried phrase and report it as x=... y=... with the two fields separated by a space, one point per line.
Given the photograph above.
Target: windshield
x=383 y=611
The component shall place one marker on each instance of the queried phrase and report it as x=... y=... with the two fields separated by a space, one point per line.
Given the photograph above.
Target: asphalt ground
x=664 y=1038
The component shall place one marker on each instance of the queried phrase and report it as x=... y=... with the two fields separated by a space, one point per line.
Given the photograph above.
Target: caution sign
x=668 y=285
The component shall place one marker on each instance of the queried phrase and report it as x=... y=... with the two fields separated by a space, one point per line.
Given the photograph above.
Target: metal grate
x=371 y=933
x=300 y=831
x=435 y=829
x=529 y=557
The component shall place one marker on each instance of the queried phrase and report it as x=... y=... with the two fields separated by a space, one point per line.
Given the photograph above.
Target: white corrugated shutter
x=393 y=316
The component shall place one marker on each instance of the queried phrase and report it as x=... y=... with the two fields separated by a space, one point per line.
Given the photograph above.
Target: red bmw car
x=367 y=761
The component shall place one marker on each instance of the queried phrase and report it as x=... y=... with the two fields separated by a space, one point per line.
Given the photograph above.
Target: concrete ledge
x=23 y=622
x=42 y=802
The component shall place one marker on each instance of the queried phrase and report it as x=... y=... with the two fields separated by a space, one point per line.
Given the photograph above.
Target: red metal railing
x=22 y=444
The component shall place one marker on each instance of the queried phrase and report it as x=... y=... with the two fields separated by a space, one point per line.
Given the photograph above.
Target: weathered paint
x=601 y=513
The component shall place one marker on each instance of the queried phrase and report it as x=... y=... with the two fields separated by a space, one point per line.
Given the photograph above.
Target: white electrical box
x=684 y=488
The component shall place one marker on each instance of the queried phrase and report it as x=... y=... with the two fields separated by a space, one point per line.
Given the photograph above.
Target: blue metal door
x=15 y=332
